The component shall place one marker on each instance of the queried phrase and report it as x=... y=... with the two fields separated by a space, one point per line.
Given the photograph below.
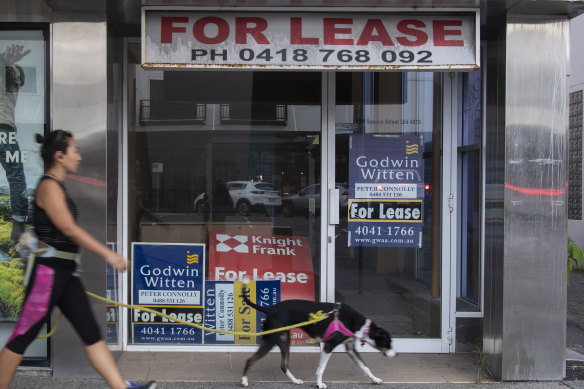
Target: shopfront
x=325 y=154
x=328 y=182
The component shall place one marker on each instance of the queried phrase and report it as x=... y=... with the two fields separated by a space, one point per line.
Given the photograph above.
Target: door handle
x=333 y=206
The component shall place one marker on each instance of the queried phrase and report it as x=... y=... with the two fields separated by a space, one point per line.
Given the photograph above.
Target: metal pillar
x=526 y=240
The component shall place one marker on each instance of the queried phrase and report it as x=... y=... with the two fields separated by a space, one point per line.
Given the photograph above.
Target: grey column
x=79 y=105
x=525 y=280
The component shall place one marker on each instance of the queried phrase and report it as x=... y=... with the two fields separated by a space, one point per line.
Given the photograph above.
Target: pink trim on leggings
x=37 y=303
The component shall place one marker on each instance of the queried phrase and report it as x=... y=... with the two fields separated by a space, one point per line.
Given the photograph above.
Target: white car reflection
x=307 y=200
x=247 y=196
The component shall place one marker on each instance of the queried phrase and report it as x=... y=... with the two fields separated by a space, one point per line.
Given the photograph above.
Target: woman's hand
x=116 y=261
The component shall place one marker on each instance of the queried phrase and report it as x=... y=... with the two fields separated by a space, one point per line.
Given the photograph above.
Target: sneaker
x=149 y=385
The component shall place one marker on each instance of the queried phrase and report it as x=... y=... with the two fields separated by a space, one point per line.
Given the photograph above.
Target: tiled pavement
x=227 y=367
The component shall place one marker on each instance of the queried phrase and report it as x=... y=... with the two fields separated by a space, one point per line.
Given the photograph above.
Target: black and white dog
x=343 y=326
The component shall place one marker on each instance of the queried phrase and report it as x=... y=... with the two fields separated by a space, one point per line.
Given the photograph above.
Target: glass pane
x=469 y=183
x=388 y=240
x=220 y=159
x=22 y=114
x=469 y=273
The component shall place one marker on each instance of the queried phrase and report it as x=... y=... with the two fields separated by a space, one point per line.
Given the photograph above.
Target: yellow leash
x=313 y=318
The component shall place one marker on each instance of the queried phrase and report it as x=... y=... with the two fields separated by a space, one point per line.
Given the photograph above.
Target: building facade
x=408 y=159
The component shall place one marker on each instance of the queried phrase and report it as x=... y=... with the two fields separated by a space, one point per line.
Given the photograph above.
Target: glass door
x=386 y=252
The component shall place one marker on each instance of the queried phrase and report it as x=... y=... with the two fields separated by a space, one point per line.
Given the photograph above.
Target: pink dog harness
x=337 y=326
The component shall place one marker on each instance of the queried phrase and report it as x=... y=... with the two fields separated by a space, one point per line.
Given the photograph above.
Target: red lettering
x=330 y=30
x=296 y=37
x=404 y=27
x=222 y=30
x=440 y=32
x=167 y=28
x=368 y=36
x=242 y=30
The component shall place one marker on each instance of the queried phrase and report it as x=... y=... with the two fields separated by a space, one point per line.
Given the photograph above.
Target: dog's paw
x=377 y=381
x=298 y=382
x=321 y=385
x=244 y=382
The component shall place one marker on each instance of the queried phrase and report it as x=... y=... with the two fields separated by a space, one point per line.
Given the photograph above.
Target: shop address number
x=326 y=56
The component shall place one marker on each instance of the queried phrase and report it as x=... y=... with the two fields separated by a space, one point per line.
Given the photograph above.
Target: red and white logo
x=226 y=243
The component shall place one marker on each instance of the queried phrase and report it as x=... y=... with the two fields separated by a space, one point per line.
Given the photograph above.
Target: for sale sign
x=386 y=190
x=226 y=310
x=287 y=259
x=310 y=40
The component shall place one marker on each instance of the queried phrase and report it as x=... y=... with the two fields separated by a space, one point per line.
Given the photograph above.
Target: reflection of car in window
x=247 y=196
x=308 y=199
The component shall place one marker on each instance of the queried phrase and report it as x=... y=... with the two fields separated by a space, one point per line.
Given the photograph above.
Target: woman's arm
x=51 y=198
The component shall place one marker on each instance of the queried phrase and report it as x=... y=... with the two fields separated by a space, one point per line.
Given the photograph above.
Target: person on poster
x=11 y=80
x=54 y=280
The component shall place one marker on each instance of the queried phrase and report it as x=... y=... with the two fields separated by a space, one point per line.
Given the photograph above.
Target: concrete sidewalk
x=56 y=383
x=178 y=370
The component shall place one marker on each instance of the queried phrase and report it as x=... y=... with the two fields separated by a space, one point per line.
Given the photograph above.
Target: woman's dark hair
x=57 y=140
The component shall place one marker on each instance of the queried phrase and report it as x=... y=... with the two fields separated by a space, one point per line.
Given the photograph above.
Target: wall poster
x=22 y=115
x=386 y=190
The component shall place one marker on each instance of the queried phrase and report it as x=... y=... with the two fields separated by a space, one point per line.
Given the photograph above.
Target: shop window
x=469 y=282
x=215 y=186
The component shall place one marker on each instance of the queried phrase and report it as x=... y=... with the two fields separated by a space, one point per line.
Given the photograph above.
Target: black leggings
x=52 y=286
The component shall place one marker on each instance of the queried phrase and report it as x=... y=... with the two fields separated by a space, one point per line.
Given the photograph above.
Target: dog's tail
x=249 y=302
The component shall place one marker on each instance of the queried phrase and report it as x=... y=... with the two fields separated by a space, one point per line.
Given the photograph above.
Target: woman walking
x=53 y=280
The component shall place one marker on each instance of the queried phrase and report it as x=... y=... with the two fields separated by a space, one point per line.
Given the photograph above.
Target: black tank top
x=46 y=230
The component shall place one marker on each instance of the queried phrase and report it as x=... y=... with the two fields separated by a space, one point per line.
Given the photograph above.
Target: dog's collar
x=363 y=332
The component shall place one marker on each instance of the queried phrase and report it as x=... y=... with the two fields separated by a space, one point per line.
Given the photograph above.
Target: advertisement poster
x=386 y=190
x=111 y=290
x=22 y=114
x=225 y=309
x=168 y=278
x=237 y=256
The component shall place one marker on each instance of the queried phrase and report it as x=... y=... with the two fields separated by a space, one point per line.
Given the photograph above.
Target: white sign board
x=309 y=40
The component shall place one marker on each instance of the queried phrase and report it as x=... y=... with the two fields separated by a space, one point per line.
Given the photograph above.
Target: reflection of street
x=364 y=280
x=361 y=282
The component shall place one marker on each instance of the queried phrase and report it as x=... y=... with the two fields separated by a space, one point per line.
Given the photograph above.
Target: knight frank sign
x=309 y=40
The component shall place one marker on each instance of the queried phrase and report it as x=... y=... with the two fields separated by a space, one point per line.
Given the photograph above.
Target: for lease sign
x=309 y=40
x=386 y=191
x=286 y=259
